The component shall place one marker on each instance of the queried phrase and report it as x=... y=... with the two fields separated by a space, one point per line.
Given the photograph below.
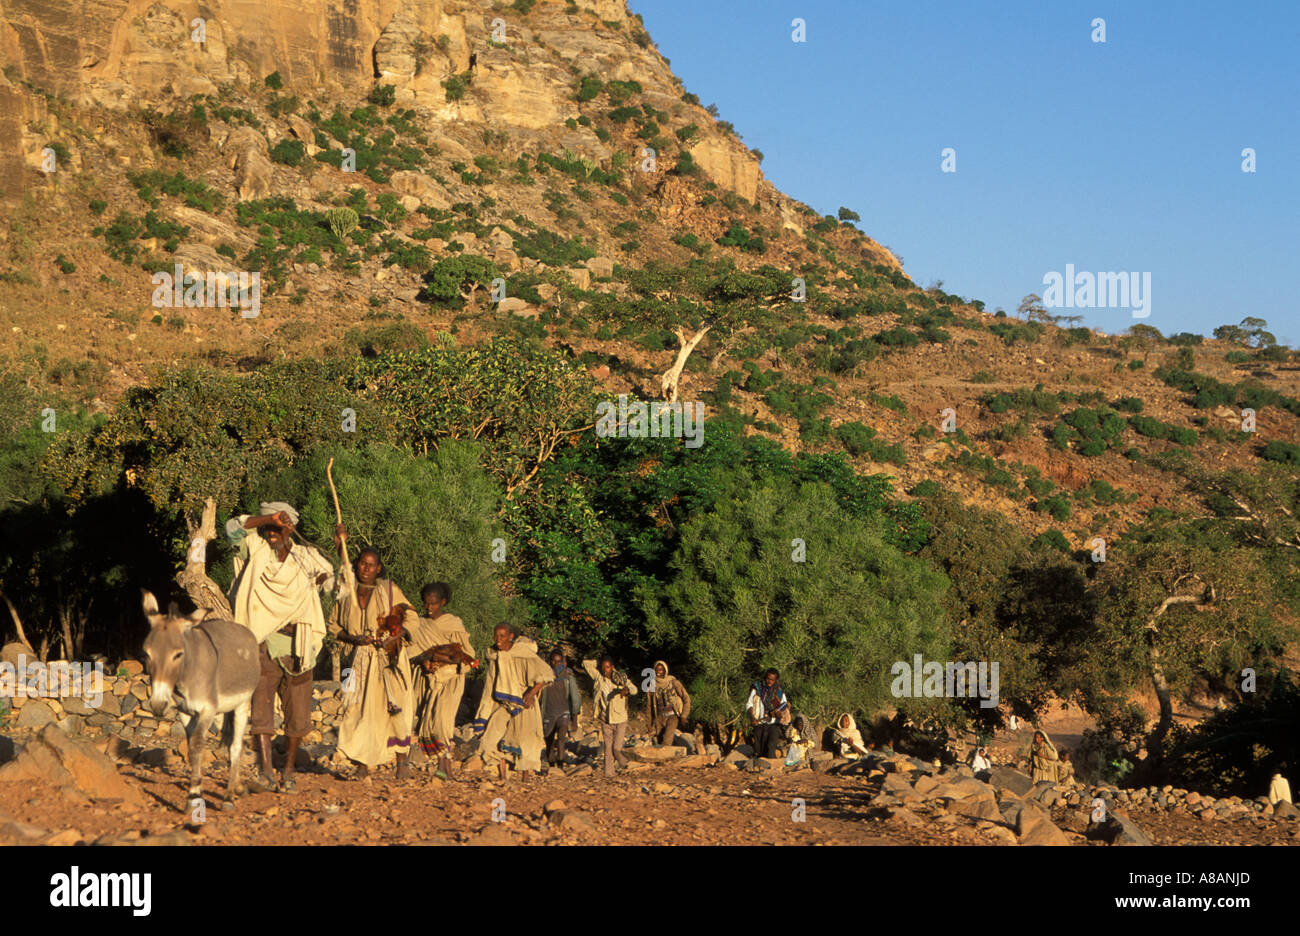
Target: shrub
x=1282 y=452
x=456 y=86
x=342 y=221
x=273 y=81
x=1056 y=505
x=859 y=439
x=1155 y=429
x=289 y=152
x=1051 y=539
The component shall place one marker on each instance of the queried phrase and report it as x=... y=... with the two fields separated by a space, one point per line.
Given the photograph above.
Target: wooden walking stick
x=349 y=578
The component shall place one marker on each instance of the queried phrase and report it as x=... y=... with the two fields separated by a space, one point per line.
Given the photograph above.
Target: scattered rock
x=656 y=755
x=11 y=651
x=1035 y=827
x=601 y=266
x=492 y=834
x=570 y=820
x=66 y=837
x=1011 y=780
x=54 y=759
x=35 y=714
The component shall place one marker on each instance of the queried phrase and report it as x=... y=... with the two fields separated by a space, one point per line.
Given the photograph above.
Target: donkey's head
x=164 y=649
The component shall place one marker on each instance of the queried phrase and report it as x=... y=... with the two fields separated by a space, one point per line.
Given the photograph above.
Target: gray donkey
x=207 y=668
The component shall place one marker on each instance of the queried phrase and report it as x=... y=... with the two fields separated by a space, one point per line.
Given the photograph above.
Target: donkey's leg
x=196 y=733
x=236 y=786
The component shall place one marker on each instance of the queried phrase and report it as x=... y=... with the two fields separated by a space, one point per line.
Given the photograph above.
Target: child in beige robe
x=437 y=694
x=510 y=726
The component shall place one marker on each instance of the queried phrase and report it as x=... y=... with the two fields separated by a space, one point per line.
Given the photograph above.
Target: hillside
x=411 y=179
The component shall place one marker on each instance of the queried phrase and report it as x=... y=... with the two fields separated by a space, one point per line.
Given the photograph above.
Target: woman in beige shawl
x=847 y=738
x=1043 y=759
x=509 y=719
x=438 y=693
x=376 y=723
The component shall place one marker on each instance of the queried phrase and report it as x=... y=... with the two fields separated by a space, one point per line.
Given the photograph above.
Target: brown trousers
x=614 y=735
x=665 y=730
x=295 y=697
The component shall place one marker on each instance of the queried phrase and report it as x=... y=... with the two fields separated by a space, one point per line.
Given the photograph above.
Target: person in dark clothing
x=768 y=709
x=561 y=703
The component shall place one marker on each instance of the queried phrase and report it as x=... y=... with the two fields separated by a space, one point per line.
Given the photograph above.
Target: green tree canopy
x=736 y=602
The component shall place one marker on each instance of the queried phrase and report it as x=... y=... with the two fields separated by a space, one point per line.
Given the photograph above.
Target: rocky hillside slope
x=552 y=140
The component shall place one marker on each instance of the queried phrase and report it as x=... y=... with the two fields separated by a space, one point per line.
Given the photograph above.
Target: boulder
x=245 y=151
x=201 y=259
x=74 y=705
x=601 y=266
x=896 y=784
x=54 y=759
x=976 y=808
x=820 y=760
x=1119 y=829
x=571 y=820
x=1284 y=810
x=737 y=758
x=960 y=788
x=505 y=258
x=35 y=714
x=581 y=277
x=656 y=755
x=1010 y=780
x=10 y=653
x=696 y=760
x=300 y=129
x=924 y=784
x=421 y=186
x=516 y=306
x=1035 y=827
x=210 y=230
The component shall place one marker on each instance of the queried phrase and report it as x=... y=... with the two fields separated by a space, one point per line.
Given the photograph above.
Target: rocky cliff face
x=123 y=53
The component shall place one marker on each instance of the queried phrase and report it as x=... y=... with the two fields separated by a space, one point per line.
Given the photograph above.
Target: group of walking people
x=408 y=671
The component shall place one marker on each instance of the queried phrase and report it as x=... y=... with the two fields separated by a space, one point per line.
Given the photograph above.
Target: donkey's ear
x=150 y=602
x=196 y=617
x=173 y=609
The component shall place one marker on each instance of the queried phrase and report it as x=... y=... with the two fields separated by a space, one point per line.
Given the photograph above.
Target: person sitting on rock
x=801 y=741
x=979 y=763
x=1043 y=758
x=1279 y=790
x=847 y=738
x=1065 y=769
x=768 y=709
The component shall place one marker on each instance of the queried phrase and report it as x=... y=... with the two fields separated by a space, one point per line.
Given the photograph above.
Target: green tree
x=431 y=519
x=519 y=400
x=834 y=623
x=1175 y=602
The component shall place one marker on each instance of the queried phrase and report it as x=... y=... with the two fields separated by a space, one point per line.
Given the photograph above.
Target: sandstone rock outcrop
x=53 y=759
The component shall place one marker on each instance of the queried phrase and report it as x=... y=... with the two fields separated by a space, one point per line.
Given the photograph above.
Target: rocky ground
x=57 y=789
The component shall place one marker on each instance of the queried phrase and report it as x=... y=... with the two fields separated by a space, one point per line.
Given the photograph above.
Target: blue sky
x=1122 y=156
